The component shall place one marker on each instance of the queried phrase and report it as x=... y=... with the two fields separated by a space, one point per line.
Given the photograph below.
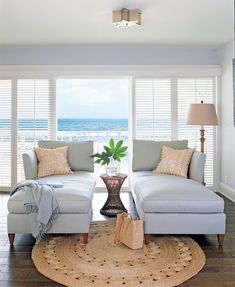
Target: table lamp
x=202 y=115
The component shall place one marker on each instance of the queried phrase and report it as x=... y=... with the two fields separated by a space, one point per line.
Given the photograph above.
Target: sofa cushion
x=172 y=194
x=52 y=161
x=30 y=162
x=197 y=165
x=174 y=161
x=78 y=153
x=147 y=154
x=74 y=197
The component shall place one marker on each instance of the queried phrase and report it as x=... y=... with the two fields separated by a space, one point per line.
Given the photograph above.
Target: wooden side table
x=113 y=204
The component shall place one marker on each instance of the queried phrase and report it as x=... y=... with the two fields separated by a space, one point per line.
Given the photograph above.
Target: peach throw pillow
x=175 y=161
x=52 y=161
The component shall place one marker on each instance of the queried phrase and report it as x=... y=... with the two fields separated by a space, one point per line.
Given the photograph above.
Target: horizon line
x=92 y=118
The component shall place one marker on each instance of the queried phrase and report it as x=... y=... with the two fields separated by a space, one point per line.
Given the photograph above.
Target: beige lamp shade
x=202 y=115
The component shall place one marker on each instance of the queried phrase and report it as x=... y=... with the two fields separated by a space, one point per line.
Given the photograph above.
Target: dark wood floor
x=17 y=269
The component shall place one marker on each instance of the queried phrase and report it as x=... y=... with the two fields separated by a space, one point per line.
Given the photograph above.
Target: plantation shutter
x=153 y=109
x=34 y=111
x=5 y=133
x=194 y=91
x=153 y=114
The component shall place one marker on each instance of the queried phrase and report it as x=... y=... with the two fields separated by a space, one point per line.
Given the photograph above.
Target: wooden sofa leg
x=147 y=238
x=11 y=237
x=220 y=239
x=85 y=238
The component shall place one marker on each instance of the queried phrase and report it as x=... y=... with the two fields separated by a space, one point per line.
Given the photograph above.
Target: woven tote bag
x=129 y=231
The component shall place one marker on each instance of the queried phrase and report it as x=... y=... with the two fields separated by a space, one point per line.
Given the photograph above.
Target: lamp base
x=202 y=139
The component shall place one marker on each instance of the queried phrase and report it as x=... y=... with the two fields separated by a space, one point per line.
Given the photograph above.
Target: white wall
x=107 y=55
x=226 y=120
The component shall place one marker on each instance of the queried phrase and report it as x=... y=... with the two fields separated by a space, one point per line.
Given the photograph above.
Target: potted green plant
x=113 y=152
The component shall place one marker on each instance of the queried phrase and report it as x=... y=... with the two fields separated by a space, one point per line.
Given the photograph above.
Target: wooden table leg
x=11 y=237
x=147 y=238
x=85 y=238
x=220 y=239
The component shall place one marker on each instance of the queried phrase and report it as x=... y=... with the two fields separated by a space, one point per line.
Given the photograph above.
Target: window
x=34 y=112
x=93 y=109
x=98 y=109
x=5 y=133
x=160 y=102
x=153 y=109
x=194 y=91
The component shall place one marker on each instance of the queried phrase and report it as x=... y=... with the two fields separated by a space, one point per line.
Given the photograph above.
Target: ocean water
x=71 y=124
x=98 y=130
x=92 y=124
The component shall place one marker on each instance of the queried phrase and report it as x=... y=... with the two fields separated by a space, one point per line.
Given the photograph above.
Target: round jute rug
x=166 y=261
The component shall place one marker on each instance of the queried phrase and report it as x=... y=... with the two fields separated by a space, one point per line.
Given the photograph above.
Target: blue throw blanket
x=40 y=204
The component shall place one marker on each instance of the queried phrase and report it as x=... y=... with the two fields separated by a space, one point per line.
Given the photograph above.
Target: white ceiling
x=205 y=23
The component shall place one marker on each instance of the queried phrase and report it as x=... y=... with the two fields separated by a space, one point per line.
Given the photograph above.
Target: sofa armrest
x=30 y=165
x=196 y=167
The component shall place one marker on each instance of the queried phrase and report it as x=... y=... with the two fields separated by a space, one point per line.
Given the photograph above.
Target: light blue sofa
x=171 y=204
x=74 y=198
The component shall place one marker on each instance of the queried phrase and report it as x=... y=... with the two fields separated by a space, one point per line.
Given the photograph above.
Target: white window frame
x=174 y=117
x=14 y=72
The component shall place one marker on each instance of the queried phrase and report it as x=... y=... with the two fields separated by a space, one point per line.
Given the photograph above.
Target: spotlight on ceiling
x=126 y=18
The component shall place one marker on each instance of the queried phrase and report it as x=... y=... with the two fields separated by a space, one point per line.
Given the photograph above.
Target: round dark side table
x=113 y=204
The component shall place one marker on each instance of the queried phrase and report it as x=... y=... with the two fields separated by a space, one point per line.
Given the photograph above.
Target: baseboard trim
x=227 y=191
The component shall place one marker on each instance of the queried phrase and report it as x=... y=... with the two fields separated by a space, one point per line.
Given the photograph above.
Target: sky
x=92 y=98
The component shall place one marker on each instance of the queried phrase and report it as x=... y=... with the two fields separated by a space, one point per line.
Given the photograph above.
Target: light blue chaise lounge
x=171 y=204
x=74 y=198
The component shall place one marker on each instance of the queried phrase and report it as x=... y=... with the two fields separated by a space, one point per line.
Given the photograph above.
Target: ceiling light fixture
x=126 y=18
